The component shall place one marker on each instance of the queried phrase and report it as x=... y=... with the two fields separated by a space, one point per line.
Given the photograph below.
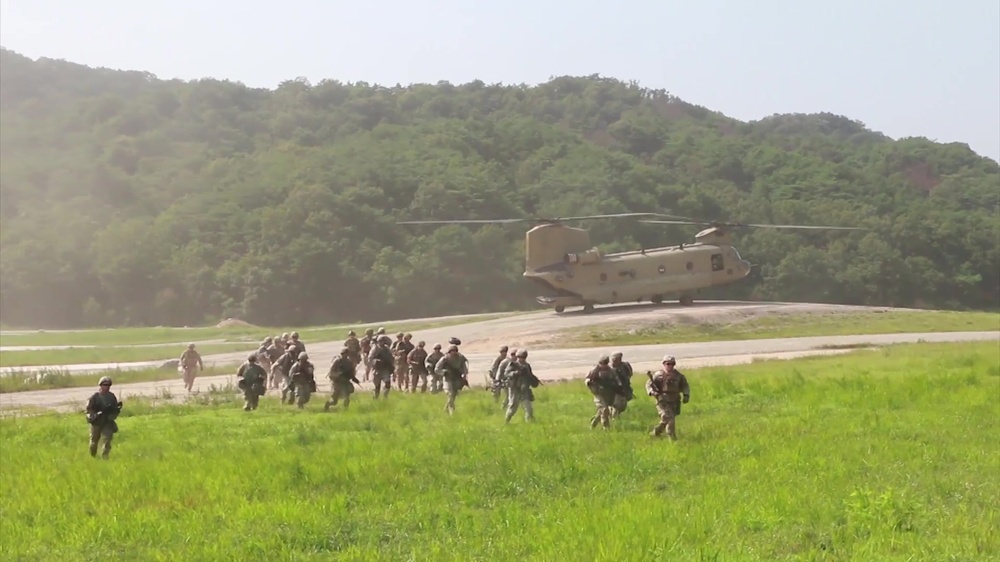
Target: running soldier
x=454 y=368
x=353 y=348
x=102 y=411
x=382 y=364
x=500 y=384
x=274 y=353
x=432 y=360
x=417 y=359
x=604 y=385
x=342 y=373
x=493 y=373
x=280 y=370
x=264 y=357
x=252 y=380
x=303 y=380
x=366 y=348
x=398 y=360
x=667 y=386
x=191 y=363
x=522 y=380
x=403 y=351
x=296 y=343
x=624 y=371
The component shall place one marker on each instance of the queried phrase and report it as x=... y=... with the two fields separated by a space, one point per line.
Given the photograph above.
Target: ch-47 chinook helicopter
x=562 y=260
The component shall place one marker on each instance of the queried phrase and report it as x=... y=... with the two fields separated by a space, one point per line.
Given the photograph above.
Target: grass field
x=80 y=355
x=21 y=380
x=160 y=335
x=884 y=455
x=788 y=326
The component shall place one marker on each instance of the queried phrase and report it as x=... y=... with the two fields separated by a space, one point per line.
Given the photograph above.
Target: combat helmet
x=105 y=381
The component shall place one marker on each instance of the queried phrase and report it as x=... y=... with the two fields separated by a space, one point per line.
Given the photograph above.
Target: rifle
x=96 y=418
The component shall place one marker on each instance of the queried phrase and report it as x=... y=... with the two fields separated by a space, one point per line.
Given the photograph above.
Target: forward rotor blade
x=470 y=221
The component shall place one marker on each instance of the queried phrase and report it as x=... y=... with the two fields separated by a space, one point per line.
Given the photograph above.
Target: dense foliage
x=128 y=199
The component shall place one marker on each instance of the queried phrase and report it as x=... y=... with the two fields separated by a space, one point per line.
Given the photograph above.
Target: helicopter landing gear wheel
x=657 y=299
x=560 y=309
x=687 y=300
x=588 y=308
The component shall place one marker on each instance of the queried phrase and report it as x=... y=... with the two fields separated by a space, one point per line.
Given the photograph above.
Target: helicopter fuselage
x=586 y=278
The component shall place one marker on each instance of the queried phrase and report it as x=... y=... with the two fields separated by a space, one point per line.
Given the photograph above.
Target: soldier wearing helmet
x=603 y=383
x=382 y=363
x=103 y=408
x=366 y=347
x=455 y=370
x=380 y=332
x=668 y=386
x=342 y=373
x=252 y=379
x=437 y=382
x=302 y=379
x=624 y=371
x=280 y=369
x=296 y=342
x=353 y=346
x=417 y=362
x=499 y=385
x=521 y=380
x=190 y=362
x=492 y=373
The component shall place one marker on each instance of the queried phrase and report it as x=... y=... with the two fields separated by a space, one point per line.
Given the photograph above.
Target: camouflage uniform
x=417 y=359
x=303 y=380
x=667 y=386
x=432 y=360
x=500 y=383
x=624 y=371
x=279 y=372
x=522 y=380
x=190 y=362
x=493 y=375
x=604 y=384
x=252 y=380
x=382 y=363
x=103 y=408
x=400 y=349
x=342 y=373
x=366 y=348
x=353 y=346
x=455 y=368
x=274 y=353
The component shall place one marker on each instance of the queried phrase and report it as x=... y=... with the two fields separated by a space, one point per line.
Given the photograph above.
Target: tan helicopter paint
x=562 y=258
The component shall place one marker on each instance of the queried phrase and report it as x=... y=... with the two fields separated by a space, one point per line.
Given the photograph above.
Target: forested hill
x=128 y=199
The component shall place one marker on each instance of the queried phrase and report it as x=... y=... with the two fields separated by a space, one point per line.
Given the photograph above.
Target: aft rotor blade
x=676 y=222
x=802 y=226
x=611 y=216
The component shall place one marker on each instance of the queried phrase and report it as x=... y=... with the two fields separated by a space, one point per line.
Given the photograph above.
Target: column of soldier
x=282 y=363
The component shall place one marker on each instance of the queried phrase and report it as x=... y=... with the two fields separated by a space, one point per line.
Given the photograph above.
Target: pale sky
x=903 y=67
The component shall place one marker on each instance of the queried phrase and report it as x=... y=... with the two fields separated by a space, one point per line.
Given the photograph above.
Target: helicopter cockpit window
x=717 y=264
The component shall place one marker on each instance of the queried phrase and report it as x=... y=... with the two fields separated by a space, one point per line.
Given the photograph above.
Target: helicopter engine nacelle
x=592 y=255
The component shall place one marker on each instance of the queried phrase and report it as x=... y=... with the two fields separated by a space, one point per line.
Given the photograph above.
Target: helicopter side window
x=717 y=264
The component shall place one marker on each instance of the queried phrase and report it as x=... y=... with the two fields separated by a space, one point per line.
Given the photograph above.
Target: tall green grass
x=884 y=455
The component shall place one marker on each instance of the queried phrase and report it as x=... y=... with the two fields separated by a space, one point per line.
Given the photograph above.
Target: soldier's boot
x=378 y=388
x=508 y=415
x=529 y=411
x=93 y=449
x=594 y=421
x=658 y=430
x=107 y=449
x=347 y=401
x=605 y=421
x=326 y=407
x=246 y=406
